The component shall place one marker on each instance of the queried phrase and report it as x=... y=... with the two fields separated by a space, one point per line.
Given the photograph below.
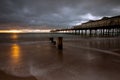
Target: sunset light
x=10 y=31
x=25 y=31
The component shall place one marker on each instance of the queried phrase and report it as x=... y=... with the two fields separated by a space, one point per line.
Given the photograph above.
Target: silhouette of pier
x=107 y=26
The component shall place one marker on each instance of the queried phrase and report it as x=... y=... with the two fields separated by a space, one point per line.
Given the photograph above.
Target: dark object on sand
x=52 y=41
x=60 y=43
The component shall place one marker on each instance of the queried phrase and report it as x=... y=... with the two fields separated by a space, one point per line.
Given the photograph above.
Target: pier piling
x=60 y=43
x=52 y=40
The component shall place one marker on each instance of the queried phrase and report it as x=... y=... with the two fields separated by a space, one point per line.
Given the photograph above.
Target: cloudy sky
x=56 y=12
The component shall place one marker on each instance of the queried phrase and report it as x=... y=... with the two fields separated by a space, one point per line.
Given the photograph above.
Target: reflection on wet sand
x=111 y=44
x=60 y=55
x=106 y=44
x=15 y=50
x=14 y=36
x=15 y=53
x=81 y=59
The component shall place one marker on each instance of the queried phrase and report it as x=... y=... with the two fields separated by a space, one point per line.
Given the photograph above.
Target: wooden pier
x=107 y=26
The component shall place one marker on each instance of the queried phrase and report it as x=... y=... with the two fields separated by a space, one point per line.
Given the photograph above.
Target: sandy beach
x=80 y=59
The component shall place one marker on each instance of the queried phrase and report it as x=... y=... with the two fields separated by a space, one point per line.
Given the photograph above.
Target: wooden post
x=79 y=32
x=113 y=32
x=118 y=31
x=85 y=32
x=82 y=32
x=52 y=40
x=103 y=33
x=107 y=32
x=90 y=33
x=60 y=43
x=95 y=34
x=75 y=32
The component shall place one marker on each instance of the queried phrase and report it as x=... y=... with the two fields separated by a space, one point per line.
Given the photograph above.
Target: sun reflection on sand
x=15 y=53
x=14 y=36
x=15 y=49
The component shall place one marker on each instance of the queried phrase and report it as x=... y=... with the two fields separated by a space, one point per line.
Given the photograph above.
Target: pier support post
x=107 y=32
x=79 y=32
x=85 y=32
x=90 y=33
x=75 y=32
x=118 y=31
x=82 y=32
x=95 y=32
x=52 y=40
x=103 y=32
x=60 y=43
x=113 y=32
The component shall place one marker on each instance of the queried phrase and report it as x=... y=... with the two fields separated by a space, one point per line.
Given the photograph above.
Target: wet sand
x=80 y=59
x=5 y=76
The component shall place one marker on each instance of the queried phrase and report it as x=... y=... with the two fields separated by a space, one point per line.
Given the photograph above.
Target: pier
x=107 y=26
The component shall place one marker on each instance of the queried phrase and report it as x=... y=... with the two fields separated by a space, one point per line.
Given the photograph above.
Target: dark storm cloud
x=56 y=12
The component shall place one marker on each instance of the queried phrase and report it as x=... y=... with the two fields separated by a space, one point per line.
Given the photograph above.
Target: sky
x=56 y=12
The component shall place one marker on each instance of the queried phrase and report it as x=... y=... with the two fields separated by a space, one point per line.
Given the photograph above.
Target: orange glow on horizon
x=10 y=31
x=14 y=31
x=25 y=31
